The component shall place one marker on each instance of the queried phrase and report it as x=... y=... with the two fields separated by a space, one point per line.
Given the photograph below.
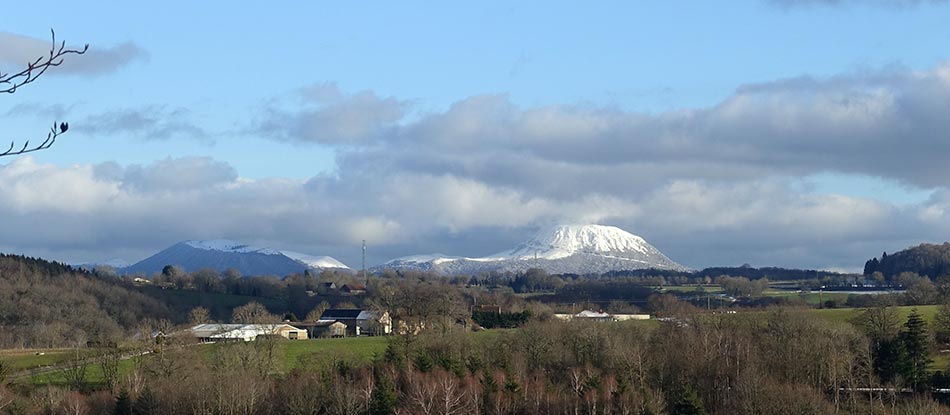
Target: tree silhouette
x=10 y=82
x=916 y=342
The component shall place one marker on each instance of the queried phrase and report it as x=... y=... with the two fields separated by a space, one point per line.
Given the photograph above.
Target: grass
x=350 y=349
x=845 y=315
x=941 y=361
x=26 y=359
x=812 y=298
x=705 y=288
x=94 y=375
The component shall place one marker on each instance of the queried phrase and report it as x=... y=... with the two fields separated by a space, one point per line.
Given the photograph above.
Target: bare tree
x=109 y=363
x=10 y=82
x=75 y=371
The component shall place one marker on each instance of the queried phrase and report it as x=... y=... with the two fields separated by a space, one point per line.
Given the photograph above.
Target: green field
x=93 y=375
x=845 y=315
x=705 y=288
x=941 y=362
x=25 y=359
x=349 y=349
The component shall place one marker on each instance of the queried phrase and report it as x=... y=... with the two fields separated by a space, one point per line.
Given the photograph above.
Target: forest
x=507 y=355
x=930 y=260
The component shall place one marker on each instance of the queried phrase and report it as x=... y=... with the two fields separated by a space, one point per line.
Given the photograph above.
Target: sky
x=794 y=133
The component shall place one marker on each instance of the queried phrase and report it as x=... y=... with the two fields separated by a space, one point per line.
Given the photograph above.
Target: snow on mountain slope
x=578 y=249
x=221 y=254
x=562 y=241
x=434 y=258
x=227 y=245
x=318 y=262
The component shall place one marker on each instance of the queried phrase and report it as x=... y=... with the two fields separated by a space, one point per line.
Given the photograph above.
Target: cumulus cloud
x=328 y=116
x=153 y=122
x=18 y=50
x=709 y=186
x=863 y=124
x=112 y=208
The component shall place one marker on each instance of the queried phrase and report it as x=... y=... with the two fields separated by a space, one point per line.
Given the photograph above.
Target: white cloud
x=154 y=122
x=710 y=186
x=18 y=50
x=330 y=117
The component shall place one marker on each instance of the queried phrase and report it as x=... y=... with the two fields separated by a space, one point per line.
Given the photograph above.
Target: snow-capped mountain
x=221 y=254
x=575 y=249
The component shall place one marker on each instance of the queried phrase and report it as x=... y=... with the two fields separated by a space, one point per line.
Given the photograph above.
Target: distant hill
x=221 y=254
x=925 y=259
x=48 y=304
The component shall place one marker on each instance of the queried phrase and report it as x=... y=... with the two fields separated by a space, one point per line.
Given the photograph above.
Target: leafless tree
x=75 y=371
x=109 y=363
x=10 y=82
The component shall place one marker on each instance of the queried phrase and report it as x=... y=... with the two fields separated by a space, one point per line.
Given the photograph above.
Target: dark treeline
x=928 y=260
x=771 y=273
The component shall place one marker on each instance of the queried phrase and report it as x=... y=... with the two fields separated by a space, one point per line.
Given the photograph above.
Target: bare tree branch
x=34 y=69
x=50 y=139
x=10 y=82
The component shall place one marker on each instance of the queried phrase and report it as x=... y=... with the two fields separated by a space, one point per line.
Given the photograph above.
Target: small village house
x=353 y=289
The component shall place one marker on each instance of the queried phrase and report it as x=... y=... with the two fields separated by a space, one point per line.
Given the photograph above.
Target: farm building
x=590 y=315
x=353 y=289
x=322 y=328
x=360 y=321
x=245 y=332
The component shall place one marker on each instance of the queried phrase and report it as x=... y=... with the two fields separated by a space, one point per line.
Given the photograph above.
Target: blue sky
x=347 y=116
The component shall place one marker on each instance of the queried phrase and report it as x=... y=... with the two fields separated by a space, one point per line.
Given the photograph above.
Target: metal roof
x=341 y=314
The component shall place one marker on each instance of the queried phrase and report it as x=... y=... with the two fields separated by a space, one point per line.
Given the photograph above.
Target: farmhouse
x=353 y=289
x=245 y=332
x=360 y=321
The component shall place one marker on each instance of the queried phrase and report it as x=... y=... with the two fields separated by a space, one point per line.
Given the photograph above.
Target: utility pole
x=365 y=278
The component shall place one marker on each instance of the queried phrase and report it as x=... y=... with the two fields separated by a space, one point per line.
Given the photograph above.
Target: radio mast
x=365 y=278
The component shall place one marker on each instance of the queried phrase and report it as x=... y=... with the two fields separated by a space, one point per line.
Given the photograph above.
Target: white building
x=246 y=332
x=590 y=315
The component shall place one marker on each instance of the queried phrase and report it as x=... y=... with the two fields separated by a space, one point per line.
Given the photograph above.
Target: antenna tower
x=365 y=278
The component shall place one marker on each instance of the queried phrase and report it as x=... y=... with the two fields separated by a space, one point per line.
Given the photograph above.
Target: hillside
x=47 y=304
x=925 y=259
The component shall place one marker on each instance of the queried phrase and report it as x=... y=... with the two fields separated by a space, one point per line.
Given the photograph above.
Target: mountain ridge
x=221 y=254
